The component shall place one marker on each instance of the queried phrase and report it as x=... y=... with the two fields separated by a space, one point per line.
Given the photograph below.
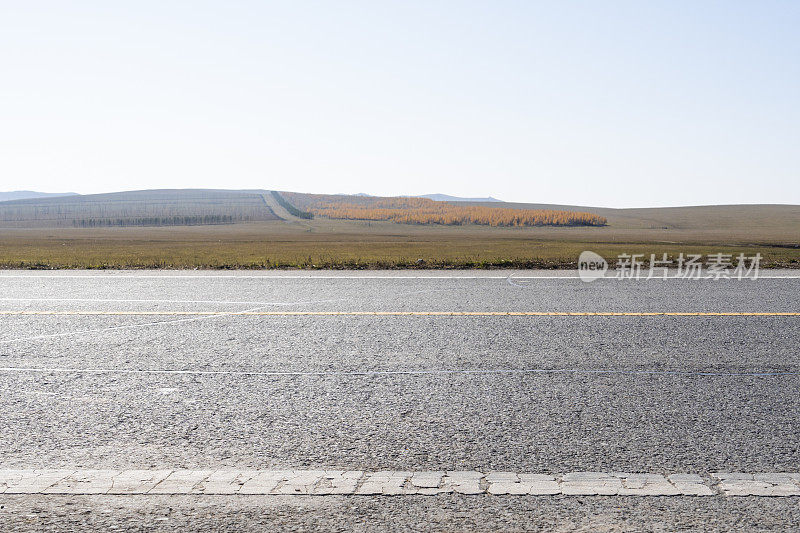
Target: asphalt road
x=141 y=384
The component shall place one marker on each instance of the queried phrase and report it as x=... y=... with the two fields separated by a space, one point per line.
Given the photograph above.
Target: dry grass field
x=347 y=244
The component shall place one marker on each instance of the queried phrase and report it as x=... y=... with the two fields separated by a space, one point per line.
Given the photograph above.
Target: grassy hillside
x=258 y=239
x=138 y=208
x=739 y=224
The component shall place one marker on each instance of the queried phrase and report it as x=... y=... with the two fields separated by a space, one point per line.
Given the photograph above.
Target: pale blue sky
x=593 y=103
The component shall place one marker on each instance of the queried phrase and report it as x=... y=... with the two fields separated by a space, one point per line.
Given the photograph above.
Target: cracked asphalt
x=535 y=394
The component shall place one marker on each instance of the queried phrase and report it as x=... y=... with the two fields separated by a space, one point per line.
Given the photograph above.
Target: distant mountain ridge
x=447 y=198
x=24 y=195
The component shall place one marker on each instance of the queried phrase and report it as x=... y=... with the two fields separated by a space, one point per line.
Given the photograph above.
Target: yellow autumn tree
x=425 y=211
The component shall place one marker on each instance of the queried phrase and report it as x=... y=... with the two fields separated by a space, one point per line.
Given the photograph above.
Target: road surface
x=411 y=372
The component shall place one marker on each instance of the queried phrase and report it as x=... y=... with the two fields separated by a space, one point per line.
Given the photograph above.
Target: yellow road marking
x=394 y=313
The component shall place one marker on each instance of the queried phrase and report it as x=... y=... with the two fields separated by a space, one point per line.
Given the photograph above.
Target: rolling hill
x=741 y=224
x=165 y=207
x=199 y=228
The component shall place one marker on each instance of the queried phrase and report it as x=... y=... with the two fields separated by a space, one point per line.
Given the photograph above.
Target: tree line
x=187 y=220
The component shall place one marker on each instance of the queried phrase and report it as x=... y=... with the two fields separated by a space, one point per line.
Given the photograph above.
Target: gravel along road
x=558 y=404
